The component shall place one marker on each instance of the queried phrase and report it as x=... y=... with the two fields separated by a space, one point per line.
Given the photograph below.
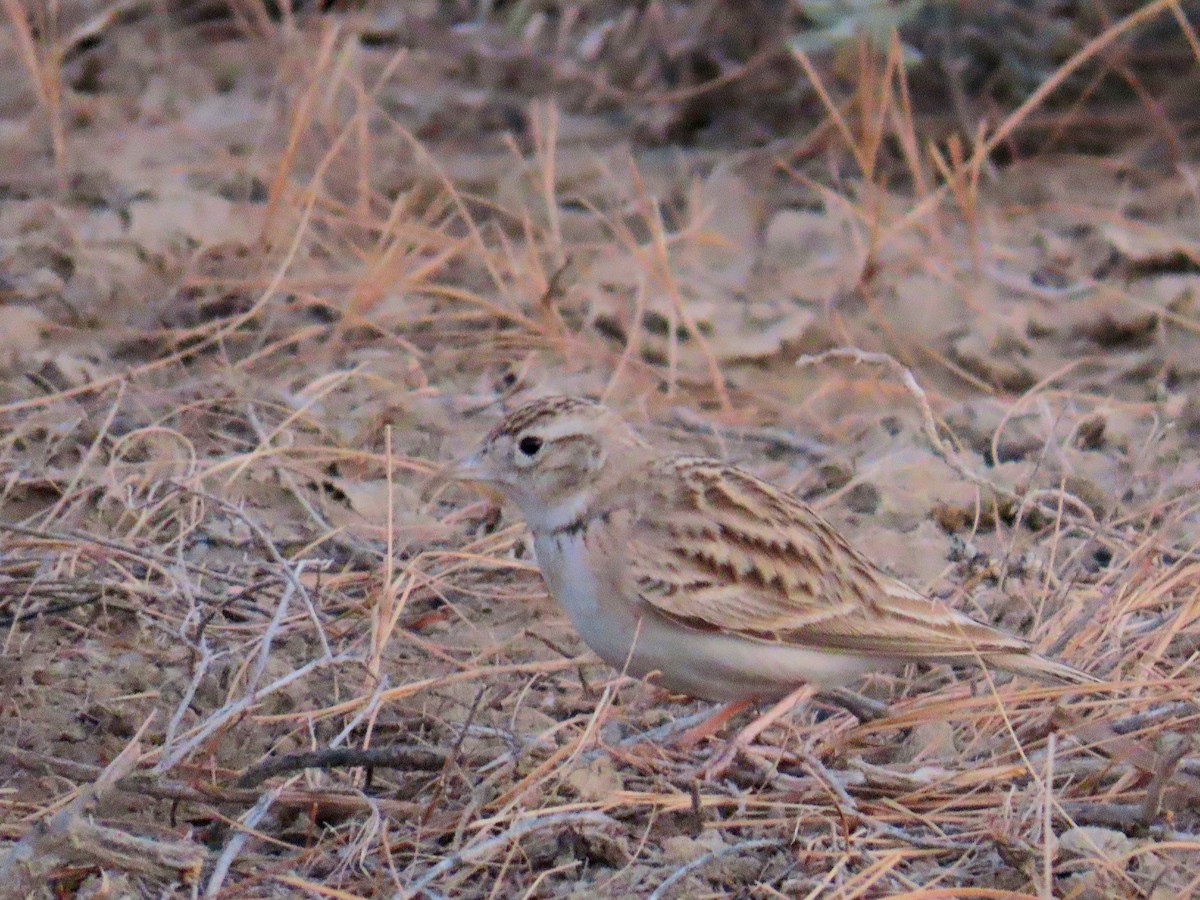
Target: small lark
x=723 y=586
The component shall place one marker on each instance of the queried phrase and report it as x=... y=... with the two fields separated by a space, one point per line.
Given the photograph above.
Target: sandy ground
x=254 y=291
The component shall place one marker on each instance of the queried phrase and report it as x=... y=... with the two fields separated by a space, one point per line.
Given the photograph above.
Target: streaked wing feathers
x=717 y=549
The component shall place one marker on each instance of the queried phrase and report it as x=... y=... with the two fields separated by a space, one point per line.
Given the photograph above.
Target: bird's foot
x=720 y=764
x=710 y=725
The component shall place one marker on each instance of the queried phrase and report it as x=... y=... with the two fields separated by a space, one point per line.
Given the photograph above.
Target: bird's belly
x=708 y=665
x=714 y=666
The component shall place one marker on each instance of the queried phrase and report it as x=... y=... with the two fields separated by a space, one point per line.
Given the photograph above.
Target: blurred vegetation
x=721 y=72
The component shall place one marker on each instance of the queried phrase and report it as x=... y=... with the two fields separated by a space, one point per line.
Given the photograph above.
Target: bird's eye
x=530 y=445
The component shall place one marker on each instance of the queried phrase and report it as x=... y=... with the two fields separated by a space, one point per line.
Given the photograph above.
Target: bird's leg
x=743 y=738
x=709 y=726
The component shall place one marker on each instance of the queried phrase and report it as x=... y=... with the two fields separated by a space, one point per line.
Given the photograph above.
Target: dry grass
x=280 y=274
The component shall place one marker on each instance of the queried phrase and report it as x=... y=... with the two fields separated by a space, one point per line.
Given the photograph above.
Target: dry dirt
x=269 y=276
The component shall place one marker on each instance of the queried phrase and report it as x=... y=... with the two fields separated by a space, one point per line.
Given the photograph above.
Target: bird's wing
x=714 y=548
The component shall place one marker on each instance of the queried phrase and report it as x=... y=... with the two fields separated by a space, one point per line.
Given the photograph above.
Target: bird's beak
x=470 y=468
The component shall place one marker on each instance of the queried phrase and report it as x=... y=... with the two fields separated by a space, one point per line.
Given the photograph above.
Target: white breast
x=605 y=622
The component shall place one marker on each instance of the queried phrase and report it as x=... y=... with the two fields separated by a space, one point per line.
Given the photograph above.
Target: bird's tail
x=1041 y=668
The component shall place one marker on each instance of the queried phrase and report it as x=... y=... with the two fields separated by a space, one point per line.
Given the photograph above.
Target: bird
x=709 y=580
